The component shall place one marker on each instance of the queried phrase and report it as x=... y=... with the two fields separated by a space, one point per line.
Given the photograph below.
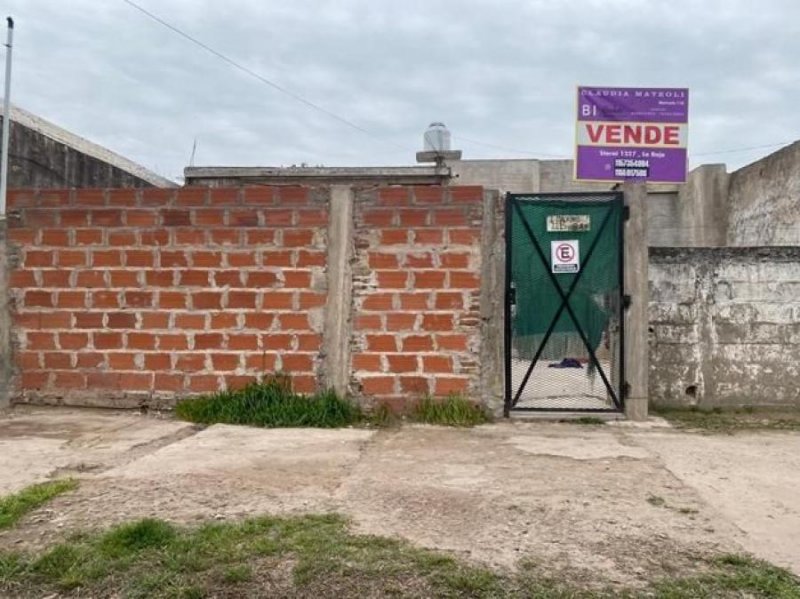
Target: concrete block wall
x=416 y=292
x=125 y=297
x=724 y=326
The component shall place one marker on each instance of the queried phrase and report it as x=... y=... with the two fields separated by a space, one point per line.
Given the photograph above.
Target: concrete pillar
x=636 y=286
x=336 y=335
x=492 y=304
x=5 y=320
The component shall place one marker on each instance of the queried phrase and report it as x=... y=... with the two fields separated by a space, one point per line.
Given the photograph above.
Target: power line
x=261 y=78
x=733 y=150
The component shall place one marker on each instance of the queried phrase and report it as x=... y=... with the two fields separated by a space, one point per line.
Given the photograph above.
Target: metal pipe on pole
x=6 y=121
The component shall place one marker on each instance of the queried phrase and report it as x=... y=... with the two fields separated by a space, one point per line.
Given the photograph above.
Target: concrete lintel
x=336 y=335
x=637 y=286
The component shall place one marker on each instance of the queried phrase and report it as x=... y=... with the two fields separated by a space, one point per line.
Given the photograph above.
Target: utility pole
x=6 y=121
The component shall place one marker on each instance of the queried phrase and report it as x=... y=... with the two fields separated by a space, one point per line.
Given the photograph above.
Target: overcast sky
x=499 y=72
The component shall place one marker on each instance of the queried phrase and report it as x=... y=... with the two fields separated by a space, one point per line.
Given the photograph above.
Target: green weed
x=13 y=507
x=452 y=411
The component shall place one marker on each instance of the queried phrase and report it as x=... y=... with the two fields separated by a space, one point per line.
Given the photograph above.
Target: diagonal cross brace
x=564 y=305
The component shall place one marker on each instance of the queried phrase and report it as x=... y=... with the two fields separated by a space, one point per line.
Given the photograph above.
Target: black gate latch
x=626 y=301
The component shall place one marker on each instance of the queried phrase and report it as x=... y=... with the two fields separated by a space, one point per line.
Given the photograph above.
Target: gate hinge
x=626 y=213
x=626 y=301
x=626 y=390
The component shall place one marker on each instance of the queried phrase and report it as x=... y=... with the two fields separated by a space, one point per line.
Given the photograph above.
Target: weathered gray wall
x=763 y=201
x=724 y=326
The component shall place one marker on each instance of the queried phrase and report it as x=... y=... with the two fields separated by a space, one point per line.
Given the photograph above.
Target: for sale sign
x=631 y=133
x=565 y=256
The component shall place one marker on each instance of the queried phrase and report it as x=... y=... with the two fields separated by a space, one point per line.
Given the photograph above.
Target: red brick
x=447 y=385
x=34 y=379
x=378 y=385
x=122 y=361
x=428 y=236
x=105 y=299
x=59 y=237
x=106 y=258
x=208 y=341
x=394 y=196
x=90 y=197
x=392 y=279
x=89 y=320
x=71 y=258
x=423 y=260
x=228 y=320
x=413 y=218
x=308 y=258
x=241 y=259
x=222 y=196
x=297 y=237
x=225 y=361
x=394 y=237
x=141 y=218
x=294 y=322
x=261 y=362
x=238 y=381
x=171 y=341
x=107 y=340
x=36 y=219
x=124 y=278
x=139 y=299
x=368 y=362
x=243 y=342
x=452 y=217
x=417 y=343
x=189 y=237
x=277 y=300
x=153 y=196
x=172 y=259
x=429 y=279
x=206 y=259
x=91 y=279
x=191 y=362
x=91 y=360
x=137 y=381
x=74 y=218
x=71 y=299
x=398 y=321
x=468 y=194
x=225 y=236
x=154 y=237
x=138 y=258
x=69 y=380
x=260 y=279
x=246 y=217
x=437 y=322
x=297 y=363
x=157 y=361
x=207 y=300
x=381 y=302
x=366 y=322
x=28 y=360
x=34 y=258
x=106 y=218
x=22 y=236
x=242 y=300
x=73 y=340
x=141 y=341
x=401 y=363
x=167 y=382
x=304 y=384
x=298 y=279
x=258 y=195
x=22 y=198
x=38 y=299
x=464 y=236
x=56 y=278
x=209 y=217
x=464 y=280
x=277 y=258
x=89 y=237
x=437 y=364
x=312 y=218
x=256 y=237
x=154 y=320
x=454 y=259
x=432 y=194
x=379 y=218
x=176 y=218
x=311 y=300
x=171 y=300
x=456 y=342
x=159 y=278
x=309 y=342
x=414 y=301
x=415 y=384
x=122 y=237
x=382 y=260
x=204 y=383
x=193 y=278
x=260 y=320
x=190 y=321
x=277 y=341
x=293 y=195
x=55 y=360
x=381 y=343
x=449 y=301
x=191 y=196
x=56 y=320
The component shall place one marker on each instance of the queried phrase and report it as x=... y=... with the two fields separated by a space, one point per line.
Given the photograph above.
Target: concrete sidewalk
x=616 y=502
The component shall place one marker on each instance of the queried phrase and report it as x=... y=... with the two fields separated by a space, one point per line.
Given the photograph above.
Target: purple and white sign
x=632 y=133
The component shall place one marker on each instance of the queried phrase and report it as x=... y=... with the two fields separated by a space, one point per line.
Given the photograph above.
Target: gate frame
x=624 y=301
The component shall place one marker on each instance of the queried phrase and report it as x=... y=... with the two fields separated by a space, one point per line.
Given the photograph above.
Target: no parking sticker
x=565 y=256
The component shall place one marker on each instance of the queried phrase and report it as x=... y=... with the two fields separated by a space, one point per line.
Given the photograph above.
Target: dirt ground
x=617 y=503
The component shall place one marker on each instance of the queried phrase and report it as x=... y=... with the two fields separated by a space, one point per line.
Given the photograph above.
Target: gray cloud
x=502 y=72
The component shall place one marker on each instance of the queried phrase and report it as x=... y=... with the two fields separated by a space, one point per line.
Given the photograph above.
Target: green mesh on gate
x=595 y=298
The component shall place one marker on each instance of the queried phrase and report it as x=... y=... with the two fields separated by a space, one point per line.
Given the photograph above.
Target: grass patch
x=717 y=420
x=270 y=403
x=317 y=556
x=452 y=411
x=13 y=507
x=587 y=421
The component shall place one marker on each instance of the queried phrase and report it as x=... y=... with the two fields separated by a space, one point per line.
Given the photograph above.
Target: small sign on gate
x=565 y=256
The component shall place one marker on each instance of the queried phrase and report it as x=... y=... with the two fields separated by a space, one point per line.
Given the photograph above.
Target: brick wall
x=416 y=298
x=122 y=297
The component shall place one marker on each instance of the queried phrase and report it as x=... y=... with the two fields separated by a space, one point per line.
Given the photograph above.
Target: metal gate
x=563 y=302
